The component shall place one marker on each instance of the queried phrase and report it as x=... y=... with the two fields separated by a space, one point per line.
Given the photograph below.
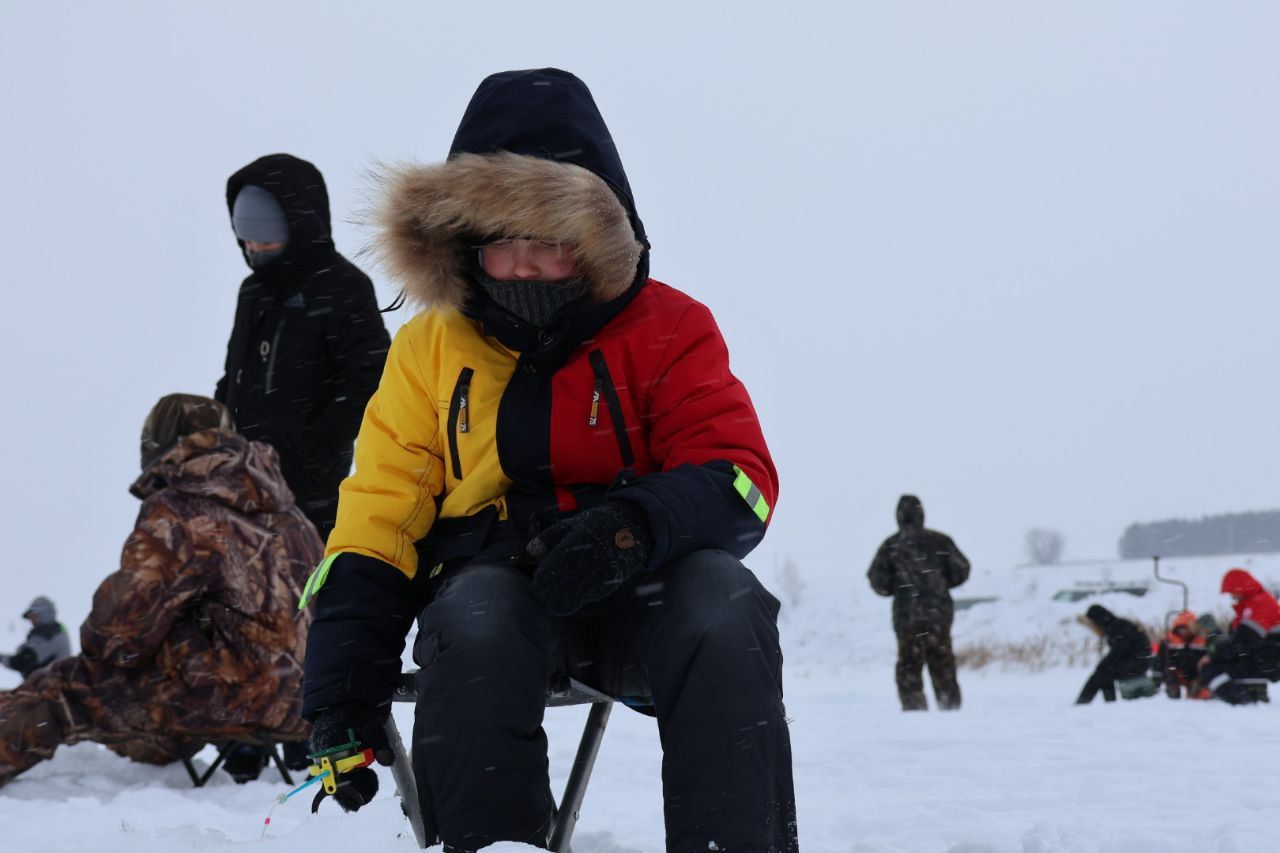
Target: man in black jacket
x=1128 y=655
x=308 y=344
x=919 y=567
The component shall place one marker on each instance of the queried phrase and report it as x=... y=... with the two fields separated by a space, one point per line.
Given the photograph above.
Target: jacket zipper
x=604 y=383
x=594 y=417
x=459 y=418
x=271 y=363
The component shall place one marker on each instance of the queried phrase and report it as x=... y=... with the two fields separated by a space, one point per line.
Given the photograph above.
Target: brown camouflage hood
x=205 y=600
x=222 y=466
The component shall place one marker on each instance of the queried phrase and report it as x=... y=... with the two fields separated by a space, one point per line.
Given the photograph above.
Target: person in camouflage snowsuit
x=197 y=636
x=919 y=567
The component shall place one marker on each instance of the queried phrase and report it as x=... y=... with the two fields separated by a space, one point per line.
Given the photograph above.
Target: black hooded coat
x=308 y=344
x=1128 y=654
x=918 y=567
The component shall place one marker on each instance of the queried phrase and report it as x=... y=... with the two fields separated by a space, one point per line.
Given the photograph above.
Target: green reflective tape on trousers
x=317 y=579
x=743 y=485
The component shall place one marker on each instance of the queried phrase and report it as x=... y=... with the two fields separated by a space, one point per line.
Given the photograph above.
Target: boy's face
x=532 y=260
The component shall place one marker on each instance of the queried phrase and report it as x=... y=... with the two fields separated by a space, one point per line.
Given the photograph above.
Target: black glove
x=588 y=557
x=334 y=727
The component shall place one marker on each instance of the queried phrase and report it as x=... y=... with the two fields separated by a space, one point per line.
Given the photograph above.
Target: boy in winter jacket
x=558 y=475
x=1128 y=655
x=1252 y=649
x=46 y=642
x=196 y=637
x=308 y=342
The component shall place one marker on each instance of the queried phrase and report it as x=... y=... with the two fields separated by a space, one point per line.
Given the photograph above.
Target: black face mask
x=538 y=303
x=258 y=260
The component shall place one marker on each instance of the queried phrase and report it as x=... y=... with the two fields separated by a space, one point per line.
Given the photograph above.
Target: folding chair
x=564 y=692
x=261 y=739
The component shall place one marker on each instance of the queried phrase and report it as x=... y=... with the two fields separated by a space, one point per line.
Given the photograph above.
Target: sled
x=564 y=691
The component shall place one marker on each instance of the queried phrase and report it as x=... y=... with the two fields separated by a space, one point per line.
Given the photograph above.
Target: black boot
x=295 y=755
x=244 y=762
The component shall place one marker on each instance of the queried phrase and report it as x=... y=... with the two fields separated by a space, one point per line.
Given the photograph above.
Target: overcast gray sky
x=1017 y=257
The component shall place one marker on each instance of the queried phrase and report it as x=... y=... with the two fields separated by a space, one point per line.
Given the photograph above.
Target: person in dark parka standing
x=308 y=344
x=1128 y=654
x=919 y=567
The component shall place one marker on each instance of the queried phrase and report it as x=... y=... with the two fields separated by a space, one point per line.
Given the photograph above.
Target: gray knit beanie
x=41 y=611
x=258 y=217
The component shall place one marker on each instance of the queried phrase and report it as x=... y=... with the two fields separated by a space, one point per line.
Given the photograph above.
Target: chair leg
x=191 y=771
x=406 y=785
x=198 y=780
x=274 y=746
x=575 y=789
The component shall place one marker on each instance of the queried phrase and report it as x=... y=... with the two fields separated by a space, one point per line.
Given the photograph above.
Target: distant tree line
x=1232 y=533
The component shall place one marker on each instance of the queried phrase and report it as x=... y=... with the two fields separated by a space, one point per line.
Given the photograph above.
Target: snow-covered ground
x=1020 y=768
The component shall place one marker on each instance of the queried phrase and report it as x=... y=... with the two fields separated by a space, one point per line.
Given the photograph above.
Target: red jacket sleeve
x=717 y=485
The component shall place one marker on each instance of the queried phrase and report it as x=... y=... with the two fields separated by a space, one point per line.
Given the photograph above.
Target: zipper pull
x=594 y=418
x=464 y=424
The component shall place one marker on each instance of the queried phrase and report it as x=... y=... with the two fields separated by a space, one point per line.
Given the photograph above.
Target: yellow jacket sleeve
x=388 y=504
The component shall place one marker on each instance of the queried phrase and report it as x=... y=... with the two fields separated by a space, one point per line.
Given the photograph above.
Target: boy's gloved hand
x=333 y=727
x=588 y=557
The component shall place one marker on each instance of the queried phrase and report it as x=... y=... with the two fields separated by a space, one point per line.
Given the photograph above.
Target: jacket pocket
x=459 y=418
x=604 y=385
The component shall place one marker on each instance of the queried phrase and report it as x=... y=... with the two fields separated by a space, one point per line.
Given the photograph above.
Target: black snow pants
x=1107 y=673
x=698 y=638
x=1225 y=674
x=919 y=645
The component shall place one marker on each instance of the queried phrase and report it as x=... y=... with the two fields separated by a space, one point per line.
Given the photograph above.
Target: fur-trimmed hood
x=531 y=158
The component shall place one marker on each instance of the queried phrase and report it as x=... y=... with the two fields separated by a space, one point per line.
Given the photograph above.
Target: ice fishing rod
x=329 y=765
x=284 y=798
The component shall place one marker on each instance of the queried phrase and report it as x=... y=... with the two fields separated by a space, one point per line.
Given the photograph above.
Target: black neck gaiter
x=536 y=302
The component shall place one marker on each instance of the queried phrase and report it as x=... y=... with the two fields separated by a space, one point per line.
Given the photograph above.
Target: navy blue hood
x=549 y=114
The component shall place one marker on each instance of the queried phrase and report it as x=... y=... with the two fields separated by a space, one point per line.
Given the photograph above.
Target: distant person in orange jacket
x=1252 y=649
x=1177 y=656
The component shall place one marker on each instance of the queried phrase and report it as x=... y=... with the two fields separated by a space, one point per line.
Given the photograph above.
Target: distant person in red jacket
x=558 y=475
x=1252 y=650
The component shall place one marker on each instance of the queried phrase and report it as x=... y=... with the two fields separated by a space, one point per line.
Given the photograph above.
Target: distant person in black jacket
x=1128 y=655
x=308 y=344
x=919 y=567
x=46 y=642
